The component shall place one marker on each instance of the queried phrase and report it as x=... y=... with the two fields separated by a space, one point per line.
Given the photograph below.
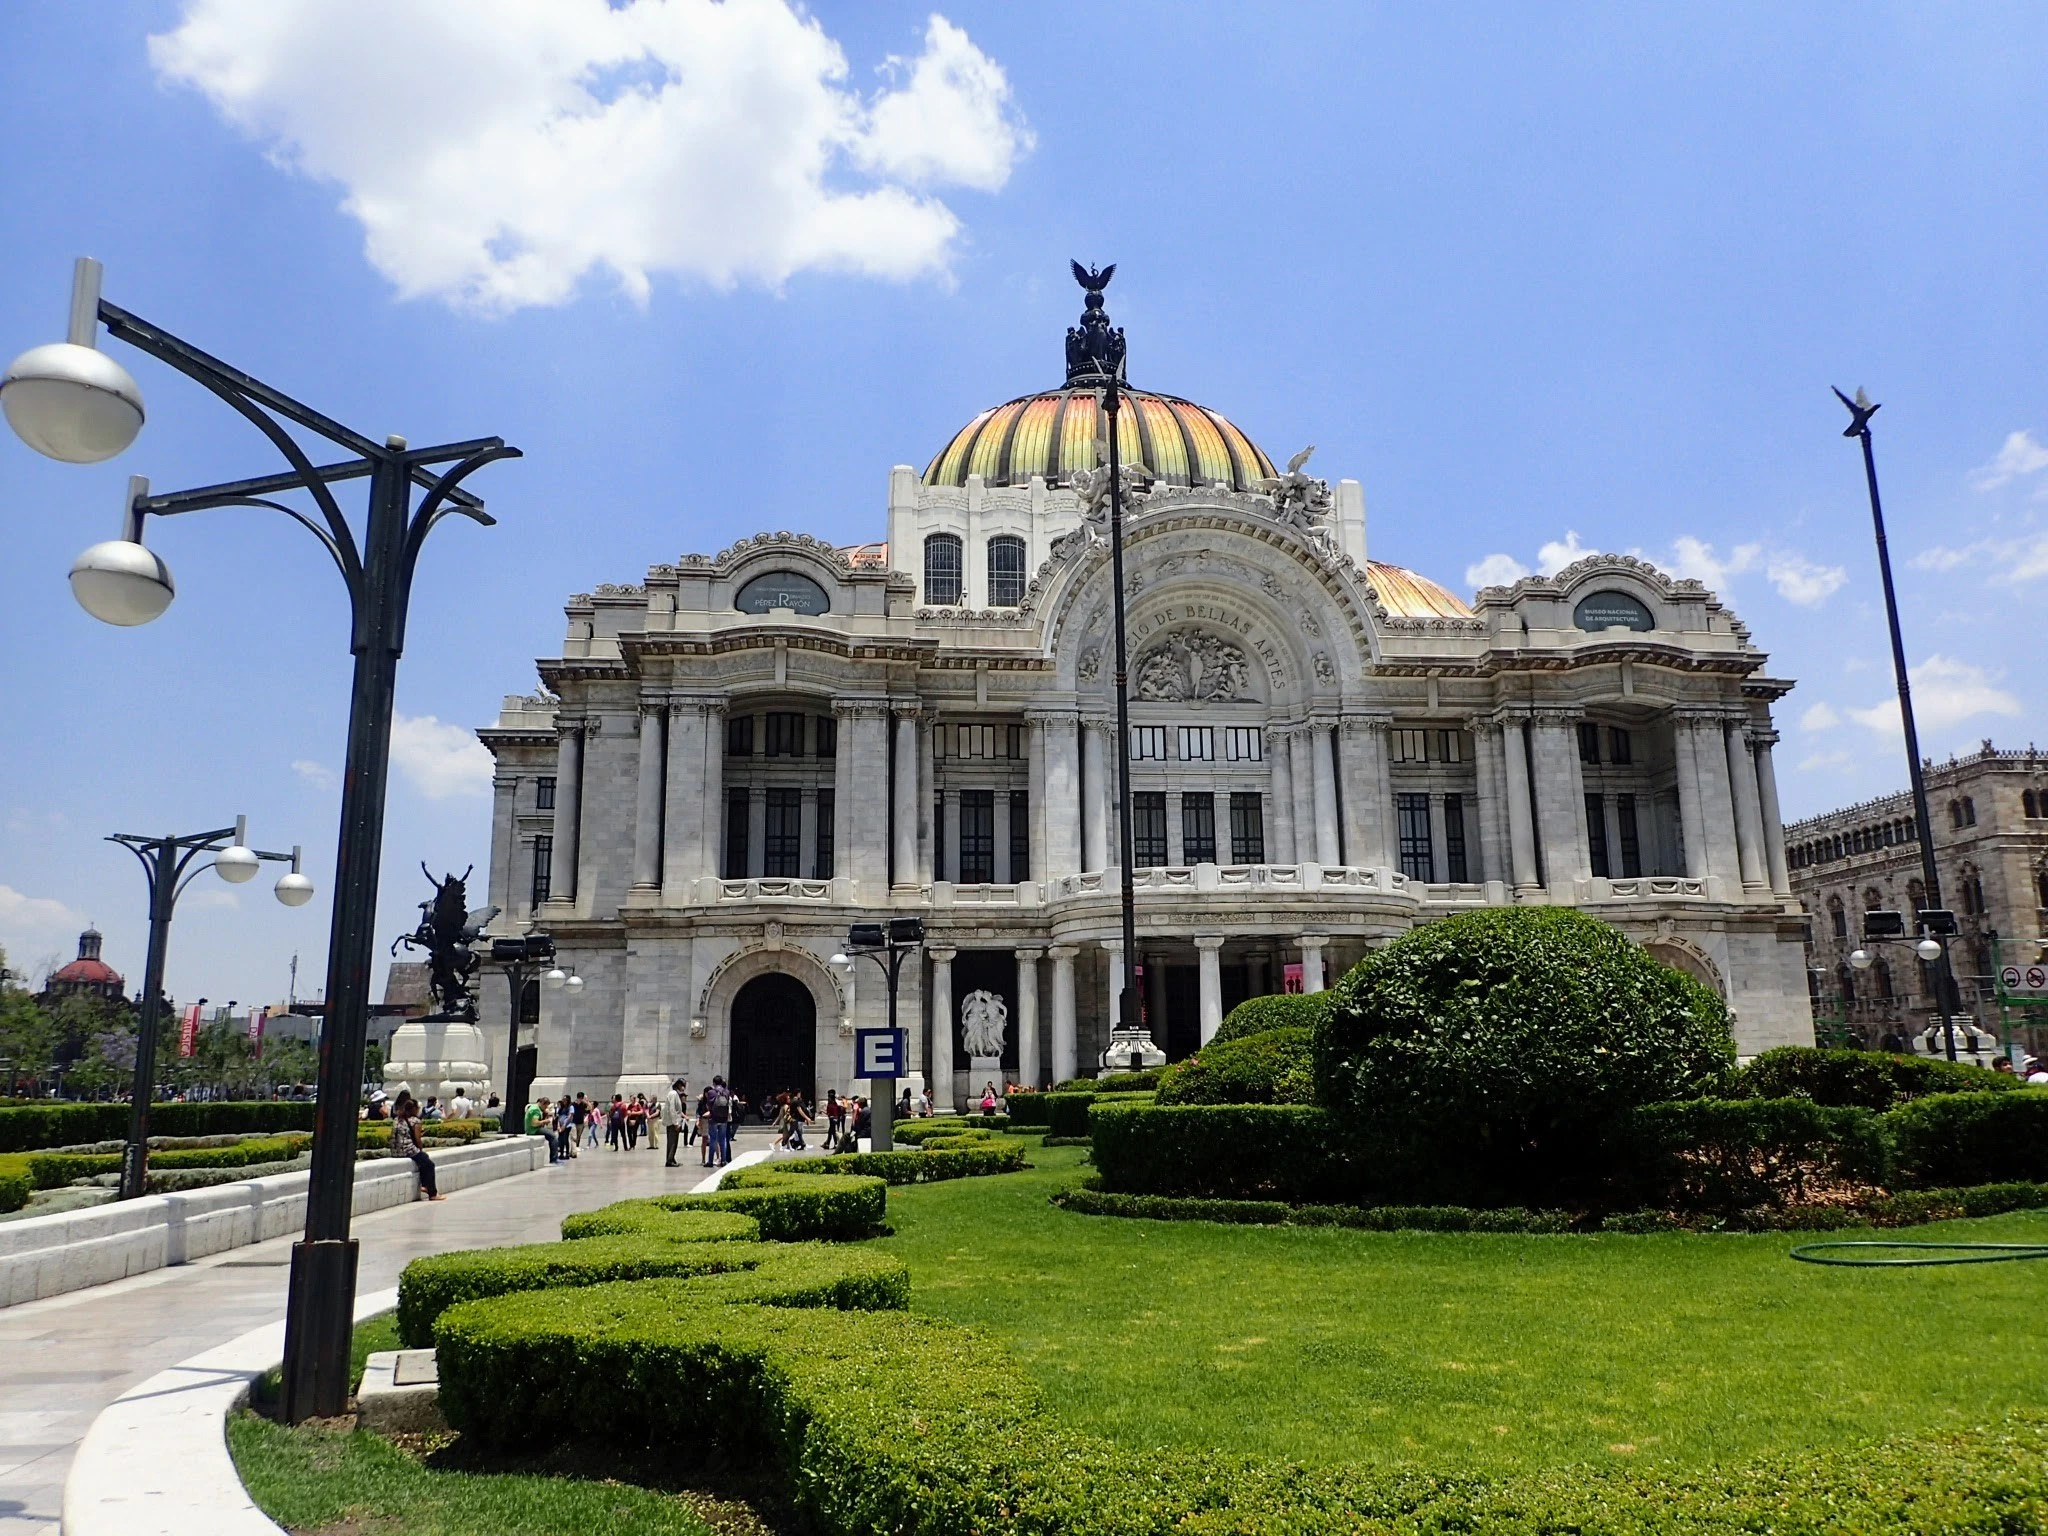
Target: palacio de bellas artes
x=739 y=754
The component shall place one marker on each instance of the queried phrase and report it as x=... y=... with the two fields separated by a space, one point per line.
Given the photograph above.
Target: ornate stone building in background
x=737 y=757
x=1990 y=815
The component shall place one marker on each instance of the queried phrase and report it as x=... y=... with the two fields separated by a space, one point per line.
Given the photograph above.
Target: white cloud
x=498 y=151
x=2019 y=456
x=1696 y=560
x=442 y=761
x=1946 y=692
x=319 y=775
x=212 y=896
x=1819 y=760
x=1942 y=557
x=1495 y=571
x=1559 y=553
x=1803 y=581
x=1819 y=717
x=2014 y=561
x=23 y=913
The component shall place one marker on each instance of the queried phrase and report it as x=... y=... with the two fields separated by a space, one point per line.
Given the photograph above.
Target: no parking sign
x=2023 y=978
x=881 y=1053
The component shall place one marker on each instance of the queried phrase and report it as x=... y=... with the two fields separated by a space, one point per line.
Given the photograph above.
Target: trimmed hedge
x=372 y=1134
x=53 y=1170
x=930 y=1165
x=1067 y=1113
x=1089 y=1201
x=14 y=1191
x=1734 y=1154
x=1863 y=1079
x=1970 y=1138
x=1287 y=1152
x=1279 y=1010
x=1269 y=1068
x=916 y=1133
x=1029 y=1111
x=31 y=1126
x=1112 y=1082
x=789 y=1207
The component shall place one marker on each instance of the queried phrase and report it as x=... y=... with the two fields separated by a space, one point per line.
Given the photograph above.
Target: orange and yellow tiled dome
x=1053 y=434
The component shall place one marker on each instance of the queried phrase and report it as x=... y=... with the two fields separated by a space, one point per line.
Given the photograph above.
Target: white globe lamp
x=294 y=889
x=1928 y=949
x=68 y=399
x=236 y=865
x=555 y=978
x=1860 y=958
x=122 y=582
x=575 y=984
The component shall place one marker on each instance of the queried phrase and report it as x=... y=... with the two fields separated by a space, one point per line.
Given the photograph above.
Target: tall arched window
x=1969 y=812
x=1916 y=893
x=941 y=569
x=2041 y=887
x=1846 y=980
x=1883 y=969
x=2028 y=805
x=1005 y=571
x=1839 y=919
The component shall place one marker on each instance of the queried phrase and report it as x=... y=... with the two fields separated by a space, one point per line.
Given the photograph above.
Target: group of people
x=569 y=1124
x=2034 y=1073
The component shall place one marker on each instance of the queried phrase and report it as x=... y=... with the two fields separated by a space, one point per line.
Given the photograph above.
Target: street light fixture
x=522 y=958
x=73 y=404
x=888 y=946
x=167 y=865
x=1861 y=409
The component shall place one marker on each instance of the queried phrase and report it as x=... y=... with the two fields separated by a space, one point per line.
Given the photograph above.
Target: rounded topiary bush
x=1865 y=1079
x=1281 y=1010
x=1497 y=1052
x=1267 y=1068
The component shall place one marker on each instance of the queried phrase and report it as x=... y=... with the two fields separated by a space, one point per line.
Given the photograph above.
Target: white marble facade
x=1337 y=749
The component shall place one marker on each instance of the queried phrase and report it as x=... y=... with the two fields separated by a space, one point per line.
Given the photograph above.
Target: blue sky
x=1544 y=279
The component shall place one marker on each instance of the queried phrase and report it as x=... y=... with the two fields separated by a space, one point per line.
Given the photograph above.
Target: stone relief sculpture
x=1299 y=500
x=1192 y=665
x=983 y=1018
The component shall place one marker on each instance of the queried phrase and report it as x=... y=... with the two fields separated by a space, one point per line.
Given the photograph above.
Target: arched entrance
x=774 y=1039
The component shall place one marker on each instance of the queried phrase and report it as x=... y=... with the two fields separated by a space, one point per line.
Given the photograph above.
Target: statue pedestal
x=436 y=1057
x=981 y=1069
x=1130 y=1050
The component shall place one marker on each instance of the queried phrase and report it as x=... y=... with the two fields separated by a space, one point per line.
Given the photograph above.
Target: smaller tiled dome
x=1408 y=595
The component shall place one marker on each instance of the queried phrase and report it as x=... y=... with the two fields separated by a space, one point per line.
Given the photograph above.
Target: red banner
x=256 y=1018
x=188 y=1032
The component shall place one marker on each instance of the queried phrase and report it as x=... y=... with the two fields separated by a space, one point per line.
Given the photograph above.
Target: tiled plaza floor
x=67 y=1357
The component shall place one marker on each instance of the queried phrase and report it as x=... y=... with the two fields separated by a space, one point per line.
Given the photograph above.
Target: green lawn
x=1469 y=1351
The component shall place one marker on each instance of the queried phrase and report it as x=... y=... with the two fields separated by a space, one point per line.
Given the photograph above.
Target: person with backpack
x=721 y=1123
x=835 y=1119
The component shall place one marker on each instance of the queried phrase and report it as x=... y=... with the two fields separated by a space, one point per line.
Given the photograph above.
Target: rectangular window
x=977 y=836
x=782 y=844
x=1005 y=571
x=543 y=868
x=1410 y=746
x=967 y=741
x=942 y=568
x=828 y=735
x=1456 y=868
x=938 y=839
x=1148 y=828
x=785 y=734
x=1020 y=834
x=1148 y=742
x=1596 y=834
x=1015 y=738
x=1450 y=746
x=821 y=856
x=544 y=795
x=739 y=736
x=1411 y=812
x=1197 y=744
x=1631 y=837
x=736 y=834
x=1247 y=828
x=1621 y=747
x=1244 y=744
x=1589 y=742
x=1198 y=829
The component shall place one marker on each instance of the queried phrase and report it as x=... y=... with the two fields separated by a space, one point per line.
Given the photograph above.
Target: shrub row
x=1281 y=1010
x=1860 y=1079
x=942 y=1157
x=881 y=1420
x=789 y=1207
x=29 y=1126
x=1268 y=1068
x=14 y=1190
x=53 y=1170
x=916 y=1133
x=377 y=1133
x=1067 y=1113
x=1089 y=1201
x=1112 y=1082
x=1286 y=1152
x=1028 y=1111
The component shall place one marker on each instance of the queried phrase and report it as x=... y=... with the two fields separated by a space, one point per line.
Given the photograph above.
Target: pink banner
x=188 y=1032
x=256 y=1020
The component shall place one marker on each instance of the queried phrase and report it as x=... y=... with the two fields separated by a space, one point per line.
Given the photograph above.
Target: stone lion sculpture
x=983 y=1018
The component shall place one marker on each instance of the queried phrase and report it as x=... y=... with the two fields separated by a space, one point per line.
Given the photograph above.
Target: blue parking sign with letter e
x=880 y=1052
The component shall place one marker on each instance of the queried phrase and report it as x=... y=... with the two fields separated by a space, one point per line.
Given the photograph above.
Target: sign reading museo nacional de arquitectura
x=740 y=754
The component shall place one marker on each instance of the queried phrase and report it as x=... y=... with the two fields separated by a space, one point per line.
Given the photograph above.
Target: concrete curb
x=49 y=1255
x=156 y=1462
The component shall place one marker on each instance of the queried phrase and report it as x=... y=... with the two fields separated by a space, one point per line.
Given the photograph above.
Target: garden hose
x=1917 y=1254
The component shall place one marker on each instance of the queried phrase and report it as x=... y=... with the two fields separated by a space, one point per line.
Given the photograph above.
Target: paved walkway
x=65 y=1358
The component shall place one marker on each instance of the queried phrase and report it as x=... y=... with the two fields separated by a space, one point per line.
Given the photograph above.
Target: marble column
x=1027 y=1016
x=1521 y=813
x=1560 y=806
x=1114 y=948
x=1767 y=802
x=945 y=1029
x=1034 y=781
x=1366 y=809
x=1492 y=863
x=904 y=870
x=1057 y=808
x=1312 y=961
x=1749 y=820
x=682 y=814
x=1717 y=797
x=647 y=801
x=1329 y=849
x=843 y=792
x=1064 y=1062
x=1209 y=955
x=1308 y=837
x=1280 y=823
x=1692 y=826
x=568 y=805
x=1155 y=993
x=868 y=815
x=711 y=850
x=1095 y=807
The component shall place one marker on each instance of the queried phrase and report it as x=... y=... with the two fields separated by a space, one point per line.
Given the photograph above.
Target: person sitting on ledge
x=405 y=1142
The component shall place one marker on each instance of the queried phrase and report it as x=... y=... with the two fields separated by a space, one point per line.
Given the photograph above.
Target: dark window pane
x=1589 y=742
x=1005 y=571
x=1198 y=829
x=941 y=569
x=1412 y=814
x=784 y=734
x=1596 y=834
x=1148 y=829
x=977 y=836
x=1247 y=828
x=1631 y=836
x=782 y=848
x=736 y=834
x=821 y=858
x=543 y=868
x=1020 y=834
x=544 y=795
x=1455 y=865
x=529 y=1003
x=1621 y=748
x=739 y=736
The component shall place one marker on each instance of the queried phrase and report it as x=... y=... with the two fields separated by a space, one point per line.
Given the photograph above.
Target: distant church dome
x=1053 y=434
x=88 y=973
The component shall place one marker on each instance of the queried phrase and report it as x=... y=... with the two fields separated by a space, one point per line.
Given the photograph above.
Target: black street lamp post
x=888 y=945
x=525 y=958
x=1860 y=411
x=166 y=865
x=72 y=402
